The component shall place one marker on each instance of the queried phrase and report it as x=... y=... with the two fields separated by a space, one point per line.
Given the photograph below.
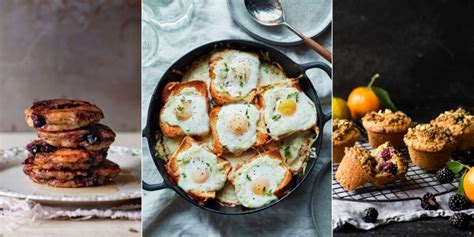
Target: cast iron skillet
x=291 y=68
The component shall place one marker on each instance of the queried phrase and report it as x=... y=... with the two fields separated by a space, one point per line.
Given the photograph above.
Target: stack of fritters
x=72 y=149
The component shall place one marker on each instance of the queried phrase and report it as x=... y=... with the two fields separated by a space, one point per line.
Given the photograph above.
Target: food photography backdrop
x=82 y=50
x=167 y=214
x=424 y=53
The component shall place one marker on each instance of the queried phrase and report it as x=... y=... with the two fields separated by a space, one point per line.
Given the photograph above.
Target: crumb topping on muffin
x=427 y=137
x=386 y=121
x=343 y=130
x=457 y=121
x=363 y=156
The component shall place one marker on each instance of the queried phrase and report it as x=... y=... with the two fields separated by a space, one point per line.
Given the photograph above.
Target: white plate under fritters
x=126 y=186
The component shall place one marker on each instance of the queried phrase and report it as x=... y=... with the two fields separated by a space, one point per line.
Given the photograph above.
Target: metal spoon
x=270 y=13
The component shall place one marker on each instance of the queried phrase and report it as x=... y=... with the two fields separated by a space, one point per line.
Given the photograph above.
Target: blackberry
x=460 y=220
x=370 y=215
x=386 y=154
x=389 y=167
x=457 y=202
x=92 y=139
x=445 y=175
x=428 y=202
x=38 y=121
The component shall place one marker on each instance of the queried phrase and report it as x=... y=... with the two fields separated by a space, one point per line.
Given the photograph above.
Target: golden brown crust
x=101 y=137
x=47 y=157
x=173 y=89
x=173 y=170
x=104 y=172
x=461 y=125
x=430 y=138
x=62 y=114
x=217 y=146
x=354 y=169
x=273 y=154
x=344 y=132
x=386 y=122
x=223 y=97
x=429 y=160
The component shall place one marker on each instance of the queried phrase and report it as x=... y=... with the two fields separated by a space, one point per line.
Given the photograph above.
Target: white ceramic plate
x=126 y=186
x=310 y=17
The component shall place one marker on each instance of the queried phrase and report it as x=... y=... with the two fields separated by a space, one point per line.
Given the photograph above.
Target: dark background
x=423 y=50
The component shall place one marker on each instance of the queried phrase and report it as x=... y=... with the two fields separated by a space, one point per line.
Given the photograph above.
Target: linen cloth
x=20 y=211
x=346 y=212
x=165 y=214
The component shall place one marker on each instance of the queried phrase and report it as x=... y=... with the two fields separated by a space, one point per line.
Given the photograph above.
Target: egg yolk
x=238 y=124
x=183 y=111
x=199 y=175
x=260 y=186
x=287 y=107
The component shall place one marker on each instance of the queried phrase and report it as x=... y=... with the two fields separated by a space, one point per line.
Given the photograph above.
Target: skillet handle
x=152 y=187
x=326 y=68
x=326 y=117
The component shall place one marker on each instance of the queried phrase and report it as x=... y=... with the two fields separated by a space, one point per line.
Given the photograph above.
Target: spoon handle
x=312 y=44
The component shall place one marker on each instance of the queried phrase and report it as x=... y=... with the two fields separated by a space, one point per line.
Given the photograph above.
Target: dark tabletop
x=424 y=52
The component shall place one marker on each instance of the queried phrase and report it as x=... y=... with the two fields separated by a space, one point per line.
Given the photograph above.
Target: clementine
x=362 y=100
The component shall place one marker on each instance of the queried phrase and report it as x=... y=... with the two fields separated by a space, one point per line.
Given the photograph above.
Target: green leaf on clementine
x=455 y=166
x=460 y=185
x=384 y=97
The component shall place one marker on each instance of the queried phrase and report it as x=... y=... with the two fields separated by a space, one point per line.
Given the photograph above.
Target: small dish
x=311 y=17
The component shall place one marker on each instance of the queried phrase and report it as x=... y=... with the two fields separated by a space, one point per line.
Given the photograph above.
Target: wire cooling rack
x=417 y=183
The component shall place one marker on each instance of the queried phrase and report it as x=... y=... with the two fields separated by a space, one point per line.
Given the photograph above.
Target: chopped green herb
x=184 y=175
x=276 y=117
x=247 y=114
x=241 y=84
x=226 y=68
x=270 y=192
x=286 y=150
x=185 y=161
x=209 y=166
x=180 y=108
x=293 y=95
x=248 y=178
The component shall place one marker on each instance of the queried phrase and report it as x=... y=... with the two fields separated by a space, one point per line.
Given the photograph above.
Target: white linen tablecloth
x=166 y=214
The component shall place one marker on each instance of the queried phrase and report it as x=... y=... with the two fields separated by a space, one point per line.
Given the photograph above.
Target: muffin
x=390 y=165
x=380 y=166
x=429 y=146
x=355 y=168
x=386 y=126
x=461 y=125
x=344 y=134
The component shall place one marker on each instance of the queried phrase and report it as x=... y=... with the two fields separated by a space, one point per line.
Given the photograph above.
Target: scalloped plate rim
x=70 y=198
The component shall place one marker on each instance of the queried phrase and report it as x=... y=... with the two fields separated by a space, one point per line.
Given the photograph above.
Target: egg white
x=199 y=71
x=198 y=123
x=237 y=143
x=278 y=124
x=198 y=156
x=236 y=73
x=262 y=167
x=270 y=73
